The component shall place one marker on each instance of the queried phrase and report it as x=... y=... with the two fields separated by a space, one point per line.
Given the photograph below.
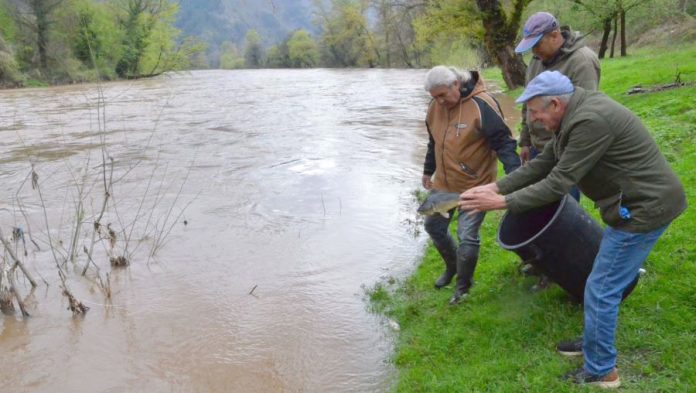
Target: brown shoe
x=582 y=377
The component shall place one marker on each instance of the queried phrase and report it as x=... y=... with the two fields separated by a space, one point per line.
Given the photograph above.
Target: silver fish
x=439 y=202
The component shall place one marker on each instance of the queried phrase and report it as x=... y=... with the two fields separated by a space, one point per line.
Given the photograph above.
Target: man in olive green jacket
x=555 y=49
x=604 y=149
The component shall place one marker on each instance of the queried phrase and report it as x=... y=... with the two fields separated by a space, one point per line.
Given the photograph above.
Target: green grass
x=502 y=338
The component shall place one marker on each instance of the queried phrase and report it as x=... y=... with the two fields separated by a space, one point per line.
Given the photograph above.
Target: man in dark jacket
x=467 y=133
x=604 y=149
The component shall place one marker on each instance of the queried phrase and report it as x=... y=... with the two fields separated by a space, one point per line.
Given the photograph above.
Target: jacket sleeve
x=498 y=136
x=530 y=173
x=429 y=164
x=587 y=143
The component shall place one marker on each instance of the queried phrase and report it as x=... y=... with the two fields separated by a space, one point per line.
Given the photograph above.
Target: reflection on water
x=295 y=183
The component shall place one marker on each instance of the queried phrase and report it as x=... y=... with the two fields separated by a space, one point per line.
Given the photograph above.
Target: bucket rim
x=562 y=204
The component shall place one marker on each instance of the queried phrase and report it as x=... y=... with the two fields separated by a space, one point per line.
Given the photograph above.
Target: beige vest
x=463 y=157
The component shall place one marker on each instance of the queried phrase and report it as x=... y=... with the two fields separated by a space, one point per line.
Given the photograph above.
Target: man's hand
x=490 y=187
x=427 y=182
x=482 y=199
x=524 y=154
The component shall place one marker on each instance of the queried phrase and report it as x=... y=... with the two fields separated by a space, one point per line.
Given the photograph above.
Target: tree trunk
x=500 y=36
x=613 y=39
x=682 y=6
x=41 y=32
x=622 y=15
x=605 y=38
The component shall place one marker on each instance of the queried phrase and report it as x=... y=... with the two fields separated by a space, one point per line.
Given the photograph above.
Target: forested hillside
x=226 y=22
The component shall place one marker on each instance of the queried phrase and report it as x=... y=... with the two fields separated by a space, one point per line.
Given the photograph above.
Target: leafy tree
x=253 y=52
x=493 y=23
x=40 y=19
x=278 y=56
x=8 y=27
x=230 y=58
x=302 y=50
x=346 y=41
x=9 y=71
x=94 y=35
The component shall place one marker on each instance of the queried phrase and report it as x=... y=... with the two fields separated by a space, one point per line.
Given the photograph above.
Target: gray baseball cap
x=548 y=83
x=537 y=25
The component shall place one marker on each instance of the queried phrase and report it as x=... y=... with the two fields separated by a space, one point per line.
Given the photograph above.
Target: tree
x=302 y=50
x=40 y=12
x=346 y=40
x=253 y=52
x=501 y=32
x=230 y=58
x=610 y=13
x=489 y=22
x=395 y=32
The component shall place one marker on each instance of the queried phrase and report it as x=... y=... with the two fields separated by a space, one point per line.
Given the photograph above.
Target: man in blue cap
x=603 y=148
x=554 y=48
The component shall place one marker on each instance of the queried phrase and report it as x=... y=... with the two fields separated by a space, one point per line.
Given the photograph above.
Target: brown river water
x=276 y=197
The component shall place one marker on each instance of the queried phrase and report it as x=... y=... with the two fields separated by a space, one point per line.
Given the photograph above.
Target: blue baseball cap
x=537 y=25
x=548 y=83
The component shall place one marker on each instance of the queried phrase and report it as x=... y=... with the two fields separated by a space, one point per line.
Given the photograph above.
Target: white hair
x=445 y=76
x=564 y=98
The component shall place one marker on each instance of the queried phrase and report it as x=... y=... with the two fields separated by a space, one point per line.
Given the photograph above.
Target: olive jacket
x=574 y=60
x=603 y=148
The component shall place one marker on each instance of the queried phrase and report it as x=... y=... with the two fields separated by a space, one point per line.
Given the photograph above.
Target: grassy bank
x=502 y=339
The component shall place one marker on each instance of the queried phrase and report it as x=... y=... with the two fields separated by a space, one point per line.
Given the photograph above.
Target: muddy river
x=254 y=207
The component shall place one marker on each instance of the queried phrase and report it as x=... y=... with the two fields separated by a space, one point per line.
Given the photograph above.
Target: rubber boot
x=438 y=230
x=467 y=258
x=449 y=257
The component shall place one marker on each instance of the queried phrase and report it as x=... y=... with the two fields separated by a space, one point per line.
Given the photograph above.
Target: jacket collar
x=575 y=101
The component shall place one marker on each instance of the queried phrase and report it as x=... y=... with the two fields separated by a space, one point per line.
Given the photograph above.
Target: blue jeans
x=460 y=258
x=616 y=265
x=574 y=192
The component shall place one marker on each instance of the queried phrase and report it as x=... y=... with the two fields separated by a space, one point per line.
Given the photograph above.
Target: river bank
x=502 y=339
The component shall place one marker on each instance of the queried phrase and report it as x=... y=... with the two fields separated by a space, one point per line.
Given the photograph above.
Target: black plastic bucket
x=559 y=239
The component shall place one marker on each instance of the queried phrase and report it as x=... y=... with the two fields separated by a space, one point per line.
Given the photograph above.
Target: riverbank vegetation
x=502 y=338
x=68 y=41
x=382 y=33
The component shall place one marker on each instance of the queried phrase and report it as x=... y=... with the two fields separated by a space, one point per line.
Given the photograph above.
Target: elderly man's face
x=549 y=115
x=448 y=96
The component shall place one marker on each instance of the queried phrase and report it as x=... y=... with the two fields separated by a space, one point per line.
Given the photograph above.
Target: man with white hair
x=467 y=133
x=604 y=149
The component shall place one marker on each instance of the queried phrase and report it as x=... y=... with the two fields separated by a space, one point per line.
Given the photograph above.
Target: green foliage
x=446 y=24
x=347 y=41
x=302 y=50
x=277 y=56
x=9 y=71
x=253 y=52
x=230 y=58
x=90 y=35
x=502 y=338
x=8 y=28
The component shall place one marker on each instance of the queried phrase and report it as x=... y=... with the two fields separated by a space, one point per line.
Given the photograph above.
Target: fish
x=439 y=202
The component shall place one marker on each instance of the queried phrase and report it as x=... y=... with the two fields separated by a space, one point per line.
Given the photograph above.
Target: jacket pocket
x=468 y=171
x=609 y=209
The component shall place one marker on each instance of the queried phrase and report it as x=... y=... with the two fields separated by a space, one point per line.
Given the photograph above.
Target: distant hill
x=216 y=21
